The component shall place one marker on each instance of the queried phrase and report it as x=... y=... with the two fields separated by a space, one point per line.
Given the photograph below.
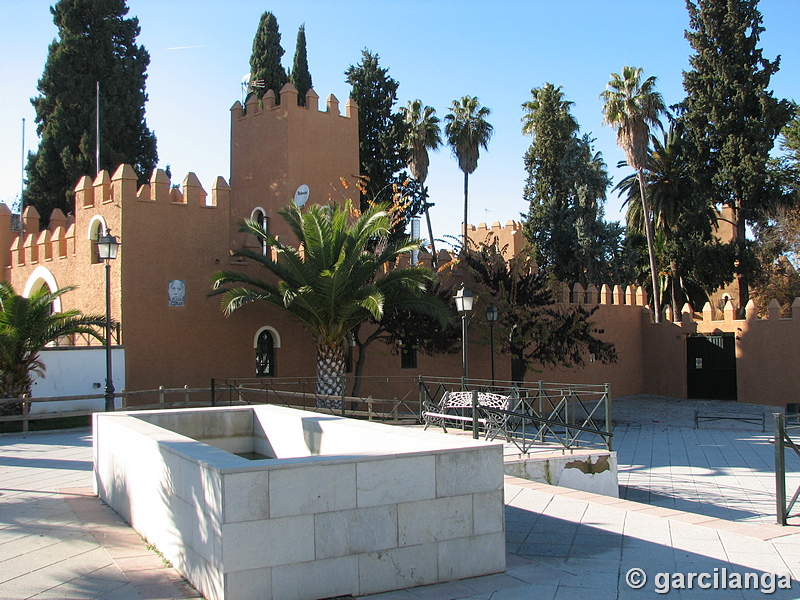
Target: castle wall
x=186 y=233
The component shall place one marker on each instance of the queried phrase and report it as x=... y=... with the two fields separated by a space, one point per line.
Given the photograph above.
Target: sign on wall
x=176 y=291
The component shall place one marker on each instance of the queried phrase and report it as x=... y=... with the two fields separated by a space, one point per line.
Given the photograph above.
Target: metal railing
x=569 y=414
x=783 y=441
x=184 y=397
x=301 y=392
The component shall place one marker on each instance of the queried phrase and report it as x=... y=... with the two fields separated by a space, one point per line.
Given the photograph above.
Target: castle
x=176 y=237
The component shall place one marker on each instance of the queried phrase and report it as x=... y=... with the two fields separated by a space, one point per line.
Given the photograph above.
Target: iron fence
x=570 y=414
x=301 y=392
x=783 y=442
x=183 y=397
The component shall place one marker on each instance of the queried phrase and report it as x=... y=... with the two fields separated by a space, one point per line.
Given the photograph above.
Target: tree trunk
x=358 y=370
x=518 y=369
x=330 y=375
x=466 y=205
x=676 y=291
x=741 y=245
x=648 y=229
x=434 y=257
x=15 y=385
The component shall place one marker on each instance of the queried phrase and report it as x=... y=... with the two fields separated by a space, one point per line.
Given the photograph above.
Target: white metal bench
x=451 y=407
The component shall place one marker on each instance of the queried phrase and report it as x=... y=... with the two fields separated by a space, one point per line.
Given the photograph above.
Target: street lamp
x=491 y=317
x=464 y=299
x=107 y=247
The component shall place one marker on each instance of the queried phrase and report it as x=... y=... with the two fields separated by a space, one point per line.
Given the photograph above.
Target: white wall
x=75 y=371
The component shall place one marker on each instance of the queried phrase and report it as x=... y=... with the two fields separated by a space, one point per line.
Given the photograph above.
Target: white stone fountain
x=276 y=503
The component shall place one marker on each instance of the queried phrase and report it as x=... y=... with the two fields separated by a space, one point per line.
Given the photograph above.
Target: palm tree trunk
x=16 y=384
x=466 y=205
x=676 y=291
x=648 y=229
x=434 y=258
x=330 y=375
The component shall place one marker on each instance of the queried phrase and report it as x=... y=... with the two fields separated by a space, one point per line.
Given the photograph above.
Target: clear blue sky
x=437 y=50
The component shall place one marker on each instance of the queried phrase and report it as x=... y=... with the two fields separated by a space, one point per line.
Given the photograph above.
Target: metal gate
x=711 y=366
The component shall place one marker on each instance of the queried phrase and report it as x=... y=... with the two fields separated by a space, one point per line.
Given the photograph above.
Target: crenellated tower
x=277 y=149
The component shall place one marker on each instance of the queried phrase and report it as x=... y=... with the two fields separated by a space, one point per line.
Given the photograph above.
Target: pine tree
x=380 y=130
x=731 y=117
x=265 y=61
x=95 y=44
x=300 y=76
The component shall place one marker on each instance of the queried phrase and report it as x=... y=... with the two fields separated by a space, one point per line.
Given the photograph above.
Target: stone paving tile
x=576 y=542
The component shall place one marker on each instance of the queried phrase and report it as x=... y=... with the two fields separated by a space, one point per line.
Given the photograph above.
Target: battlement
x=121 y=187
x=102 y=196
x=629 y=295
x=508 y=235
x=255 y=107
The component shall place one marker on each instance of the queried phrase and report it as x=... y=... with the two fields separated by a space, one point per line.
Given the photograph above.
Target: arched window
x=260 y=217
x=42 y=278
x=265 y=354
x=96 y=229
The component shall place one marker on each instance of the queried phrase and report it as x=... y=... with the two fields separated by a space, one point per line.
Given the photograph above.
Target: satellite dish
x=301 y=196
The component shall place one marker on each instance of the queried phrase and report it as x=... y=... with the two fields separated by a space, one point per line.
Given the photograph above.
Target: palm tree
x=467 y=132
x=27 y=325
x=675 y=210
x=422 y=134
x=632 y=106
x=340 y=276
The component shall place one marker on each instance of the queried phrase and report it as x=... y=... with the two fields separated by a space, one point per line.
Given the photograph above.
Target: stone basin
x=337 y=506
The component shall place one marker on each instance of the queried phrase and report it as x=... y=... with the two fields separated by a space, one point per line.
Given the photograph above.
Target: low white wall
x=75 y=371
x=586 y=470
x=359 y=508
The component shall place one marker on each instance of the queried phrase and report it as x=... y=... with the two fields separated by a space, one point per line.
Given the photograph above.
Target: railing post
x=213 y=392
x=539 y=396
x=343 y=387
x=186 y=393
x=420 y=395
x=780 y=469
x=474 y=414
x=26 y=407
x=608 y=415
x=161 y=394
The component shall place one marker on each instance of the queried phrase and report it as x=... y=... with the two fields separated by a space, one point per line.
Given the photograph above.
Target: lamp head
x=107 y=246
x=464 y=299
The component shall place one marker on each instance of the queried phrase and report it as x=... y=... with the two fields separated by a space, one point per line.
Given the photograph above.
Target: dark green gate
x=711 y=366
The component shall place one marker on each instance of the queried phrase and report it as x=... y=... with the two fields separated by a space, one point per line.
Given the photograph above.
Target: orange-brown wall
x=188 y=233
x=276 y=149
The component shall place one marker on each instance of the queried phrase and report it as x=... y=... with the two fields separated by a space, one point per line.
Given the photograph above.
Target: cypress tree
x=265 y=61
x=565 y=190
x=731 y=117
x=380 y=131
x=95 y=44
x=300 y=75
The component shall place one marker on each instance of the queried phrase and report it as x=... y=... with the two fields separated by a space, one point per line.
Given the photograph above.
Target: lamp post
x=491 y=318
x=107 y=246
x=464 y=299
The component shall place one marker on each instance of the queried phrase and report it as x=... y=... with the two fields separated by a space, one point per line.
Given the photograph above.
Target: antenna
x=97 y=124
x=249 y=86
x=22 y=173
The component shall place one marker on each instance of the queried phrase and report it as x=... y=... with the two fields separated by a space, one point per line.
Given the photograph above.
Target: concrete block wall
x=417 y=509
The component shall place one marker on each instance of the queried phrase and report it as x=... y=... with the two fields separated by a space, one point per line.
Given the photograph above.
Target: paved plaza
x=692 y=501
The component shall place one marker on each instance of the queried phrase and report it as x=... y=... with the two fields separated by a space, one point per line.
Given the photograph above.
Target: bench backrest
x=464 y=400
